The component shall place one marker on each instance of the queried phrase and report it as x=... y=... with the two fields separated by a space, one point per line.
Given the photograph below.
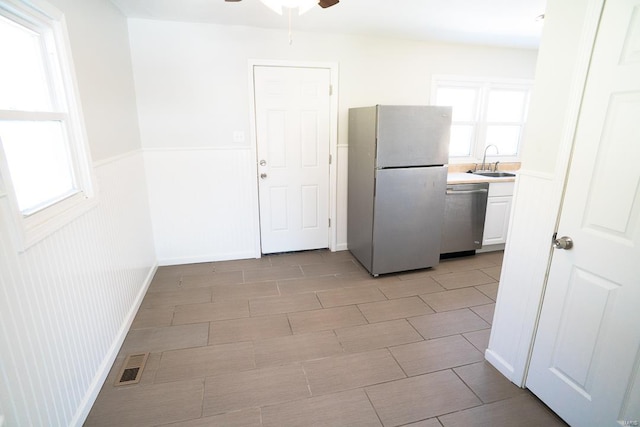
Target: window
x=485 y=112
x=45 y=164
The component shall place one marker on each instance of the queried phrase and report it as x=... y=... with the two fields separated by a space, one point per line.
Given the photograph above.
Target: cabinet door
x=496 y=221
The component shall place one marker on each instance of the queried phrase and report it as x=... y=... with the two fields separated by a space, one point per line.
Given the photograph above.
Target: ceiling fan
x=323 y=3
x=302 y=6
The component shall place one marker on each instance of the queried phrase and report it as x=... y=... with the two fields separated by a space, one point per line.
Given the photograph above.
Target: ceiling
x=510 y=23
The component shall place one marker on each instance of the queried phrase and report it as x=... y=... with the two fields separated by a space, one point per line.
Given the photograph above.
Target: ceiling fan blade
x=328 y=3
x=323 y=3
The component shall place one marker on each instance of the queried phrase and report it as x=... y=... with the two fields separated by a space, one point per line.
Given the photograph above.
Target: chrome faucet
x=485 y=154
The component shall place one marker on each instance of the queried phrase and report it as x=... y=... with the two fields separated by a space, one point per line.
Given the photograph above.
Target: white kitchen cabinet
x=496 y=222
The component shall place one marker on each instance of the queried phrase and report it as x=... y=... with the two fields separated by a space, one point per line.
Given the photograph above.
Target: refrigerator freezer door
x=413 y=136
x=408 y=217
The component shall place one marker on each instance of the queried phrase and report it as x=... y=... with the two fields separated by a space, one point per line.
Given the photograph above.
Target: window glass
x=485 y=111
x=506 y=138
x=23 y=77
x=39 y=162
x=463 y=101
x=506 y=106
x=461 y=140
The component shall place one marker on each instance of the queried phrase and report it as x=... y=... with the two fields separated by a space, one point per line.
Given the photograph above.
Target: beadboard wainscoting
x=521 y=280
x=204 y=203
x=67 y=302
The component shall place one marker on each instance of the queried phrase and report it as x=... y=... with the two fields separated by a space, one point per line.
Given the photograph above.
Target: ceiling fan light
x=278 y=5
x=274 y=5
x=304 y=5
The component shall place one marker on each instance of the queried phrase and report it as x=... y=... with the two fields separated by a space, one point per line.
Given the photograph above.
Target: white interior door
x=292 y=129
x=586 y=354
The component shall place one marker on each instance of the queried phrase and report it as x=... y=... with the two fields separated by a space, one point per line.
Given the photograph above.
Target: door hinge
x=330 y=158
x=330 y=90
x=329 y=222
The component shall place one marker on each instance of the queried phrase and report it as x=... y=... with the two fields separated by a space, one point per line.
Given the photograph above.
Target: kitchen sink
x=495 y=174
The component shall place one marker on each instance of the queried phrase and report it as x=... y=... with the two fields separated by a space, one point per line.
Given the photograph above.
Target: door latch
x=564 y=242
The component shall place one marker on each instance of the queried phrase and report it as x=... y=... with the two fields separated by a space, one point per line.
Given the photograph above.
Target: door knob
x=563 y=242
x=263 y=163
x=263 y=175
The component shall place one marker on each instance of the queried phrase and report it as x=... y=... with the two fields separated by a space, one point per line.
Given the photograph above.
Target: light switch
x=238 y=136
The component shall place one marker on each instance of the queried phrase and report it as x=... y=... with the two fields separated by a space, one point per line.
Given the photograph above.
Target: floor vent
x=132 y=367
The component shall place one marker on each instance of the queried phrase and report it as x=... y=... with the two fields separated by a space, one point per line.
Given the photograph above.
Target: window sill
x=489 y=159
x=464 y=167
x=28 y=231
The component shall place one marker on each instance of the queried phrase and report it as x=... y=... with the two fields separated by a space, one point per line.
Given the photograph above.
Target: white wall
x=100 y=48
x=66 y=303
x=560 y=75
x=192 y=88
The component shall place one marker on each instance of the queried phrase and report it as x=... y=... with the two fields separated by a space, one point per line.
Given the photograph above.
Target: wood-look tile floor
x=310 y=339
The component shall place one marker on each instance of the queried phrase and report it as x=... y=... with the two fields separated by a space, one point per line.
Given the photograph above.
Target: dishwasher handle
x=481 y=190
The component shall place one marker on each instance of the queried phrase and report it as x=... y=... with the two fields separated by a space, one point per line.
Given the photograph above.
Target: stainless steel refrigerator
x=398 y=159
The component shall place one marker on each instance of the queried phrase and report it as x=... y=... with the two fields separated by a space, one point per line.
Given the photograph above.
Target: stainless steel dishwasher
x=465 y=209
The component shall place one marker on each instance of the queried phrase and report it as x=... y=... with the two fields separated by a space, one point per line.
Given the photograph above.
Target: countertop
x=470 y=178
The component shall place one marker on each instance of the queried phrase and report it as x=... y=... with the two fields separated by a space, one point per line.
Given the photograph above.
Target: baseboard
x=501 y=365
x=221 y=257
x=341 y=247
x=491 y=248
x=206 y=258
x=98 y=380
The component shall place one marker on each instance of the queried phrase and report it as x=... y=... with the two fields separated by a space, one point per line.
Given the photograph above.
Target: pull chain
x=290 y=36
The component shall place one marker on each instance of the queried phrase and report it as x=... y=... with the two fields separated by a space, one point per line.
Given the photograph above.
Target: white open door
x=292 y=113
x=586 y=354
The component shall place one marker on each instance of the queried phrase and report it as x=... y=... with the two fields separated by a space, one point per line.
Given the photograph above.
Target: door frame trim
x=567 y=143
x=333 y=142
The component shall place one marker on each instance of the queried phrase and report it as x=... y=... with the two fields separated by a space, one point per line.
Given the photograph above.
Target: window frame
x=44 y=19
x=484 y=85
